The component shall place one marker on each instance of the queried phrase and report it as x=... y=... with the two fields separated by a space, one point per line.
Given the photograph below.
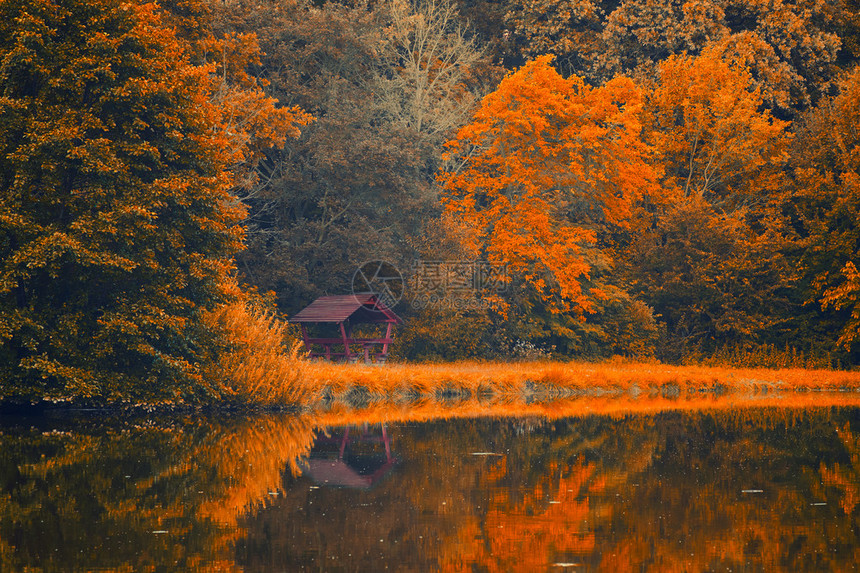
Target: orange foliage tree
x=709 y=133
x=826 y=165
x=117 y=227
x=790 y=45
x=544 y=165
x=707 y=251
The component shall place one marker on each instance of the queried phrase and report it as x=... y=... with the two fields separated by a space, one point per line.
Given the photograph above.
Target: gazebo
x=343 y=312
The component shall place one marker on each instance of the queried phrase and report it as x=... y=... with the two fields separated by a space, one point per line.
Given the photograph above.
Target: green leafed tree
x=116 y=226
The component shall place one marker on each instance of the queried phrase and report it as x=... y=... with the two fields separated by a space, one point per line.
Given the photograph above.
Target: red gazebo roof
x=360 y=307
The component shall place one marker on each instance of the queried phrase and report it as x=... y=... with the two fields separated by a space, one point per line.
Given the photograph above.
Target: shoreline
x=320 y=385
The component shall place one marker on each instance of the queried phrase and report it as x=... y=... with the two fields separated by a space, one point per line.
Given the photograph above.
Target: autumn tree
x=707 y=249
x=387 y=83
x=790 y=45
x=709 y=134
x=486 y=19
x=714 y=278
x=847 y=26
x=116 y=225
x=429 y=78
x=544 y=168
x=846 y=296
x=327 y=199
x=826 y=162
x=571 y=30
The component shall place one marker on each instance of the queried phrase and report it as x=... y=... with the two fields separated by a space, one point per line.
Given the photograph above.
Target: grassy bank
x=259 y=372
x=538 y=381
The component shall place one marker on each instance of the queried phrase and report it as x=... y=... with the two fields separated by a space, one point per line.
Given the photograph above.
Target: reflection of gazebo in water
x=338 y=314
x=350 y=459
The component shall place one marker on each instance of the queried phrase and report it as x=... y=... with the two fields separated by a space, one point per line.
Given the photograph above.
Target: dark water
x=756 y=489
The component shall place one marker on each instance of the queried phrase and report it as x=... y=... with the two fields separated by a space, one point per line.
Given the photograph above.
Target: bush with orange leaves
x=260 y=364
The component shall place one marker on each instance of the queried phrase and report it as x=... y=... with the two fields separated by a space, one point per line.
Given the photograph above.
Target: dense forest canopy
x=125 y=130
x=656 y=179
x=653 y=179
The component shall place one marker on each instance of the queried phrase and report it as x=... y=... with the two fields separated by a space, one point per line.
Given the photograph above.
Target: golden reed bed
x=258 y=371
x=566 y=377
x=640 y=386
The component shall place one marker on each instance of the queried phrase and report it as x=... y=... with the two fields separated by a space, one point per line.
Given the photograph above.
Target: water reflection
x=754 y=489
x=347 y=457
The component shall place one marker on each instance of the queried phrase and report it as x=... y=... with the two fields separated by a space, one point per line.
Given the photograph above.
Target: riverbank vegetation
x=671 y=186
x=258 y=372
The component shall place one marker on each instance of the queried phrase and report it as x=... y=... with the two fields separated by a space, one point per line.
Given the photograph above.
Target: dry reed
x=263 y=367
x=540 y=380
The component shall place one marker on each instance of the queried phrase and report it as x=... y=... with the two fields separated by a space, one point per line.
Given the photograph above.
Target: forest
x=669 y=181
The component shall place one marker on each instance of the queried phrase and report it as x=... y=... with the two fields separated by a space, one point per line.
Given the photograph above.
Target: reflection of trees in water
x=110 y=495
x=739 y=491
x=467 y=492
x=250 y=461
x=665 y=492
x=844 y=476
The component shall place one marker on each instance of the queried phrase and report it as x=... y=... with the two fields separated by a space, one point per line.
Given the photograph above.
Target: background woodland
x=670 y=180
x=675 y=179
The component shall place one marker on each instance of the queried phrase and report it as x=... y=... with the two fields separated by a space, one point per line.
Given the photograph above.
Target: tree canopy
x=665 y=179
x=117 y=227
x=543 y=163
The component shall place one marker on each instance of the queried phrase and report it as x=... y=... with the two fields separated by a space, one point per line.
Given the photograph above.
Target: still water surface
x=741 y=489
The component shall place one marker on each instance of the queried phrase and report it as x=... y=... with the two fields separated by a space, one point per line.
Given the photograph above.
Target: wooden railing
x=345 y=341
x=368 y=348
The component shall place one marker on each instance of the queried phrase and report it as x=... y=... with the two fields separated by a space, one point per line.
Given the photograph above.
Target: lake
x=767 y=485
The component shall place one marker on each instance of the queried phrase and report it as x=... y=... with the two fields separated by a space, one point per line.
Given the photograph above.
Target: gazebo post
x=305 y=337
x=387 y=443
x=343 y=443
x=387 y=337
x=346 y=353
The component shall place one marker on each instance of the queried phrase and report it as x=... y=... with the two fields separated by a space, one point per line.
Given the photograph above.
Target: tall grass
x=547 y=379
x=261 y=365
x=766 y=356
